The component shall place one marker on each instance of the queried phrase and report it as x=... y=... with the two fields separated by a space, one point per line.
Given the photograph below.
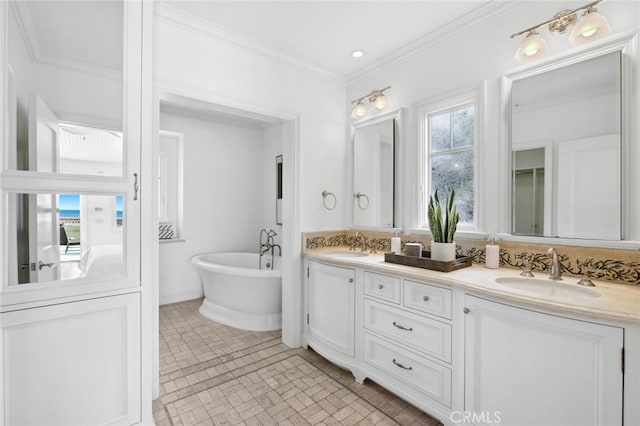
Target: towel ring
x=326 y=194
x=360 y=196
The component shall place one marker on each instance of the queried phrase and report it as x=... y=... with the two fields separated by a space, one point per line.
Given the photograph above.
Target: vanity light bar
x=560 y=20
x=376 y=99
x=591 y=26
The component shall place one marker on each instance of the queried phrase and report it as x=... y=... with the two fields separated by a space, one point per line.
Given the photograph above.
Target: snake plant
x=442 y=231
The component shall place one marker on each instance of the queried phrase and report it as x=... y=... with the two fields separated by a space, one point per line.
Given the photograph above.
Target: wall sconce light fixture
x=377 y=100
x=591 y=26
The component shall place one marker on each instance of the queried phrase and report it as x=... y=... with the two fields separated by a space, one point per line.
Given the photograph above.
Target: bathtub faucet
x=266 y=240
x=267 y=243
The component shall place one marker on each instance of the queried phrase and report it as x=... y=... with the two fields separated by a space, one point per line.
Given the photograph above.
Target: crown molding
x=172 y=15
x=28 y=32
x=469 y=21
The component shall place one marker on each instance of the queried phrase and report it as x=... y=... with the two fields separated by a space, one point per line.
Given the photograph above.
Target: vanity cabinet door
x=331 y=310
x=530 y=368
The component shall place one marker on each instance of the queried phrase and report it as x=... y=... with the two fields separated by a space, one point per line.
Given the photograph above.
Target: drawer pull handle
x=380 y=286
x=425 y=298
x=396 y=325
x=466 y=310
x=401 y=366
x=350 y=280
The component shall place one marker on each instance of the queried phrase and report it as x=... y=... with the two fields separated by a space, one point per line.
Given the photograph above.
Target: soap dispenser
x=395 y=244
x=492 y=254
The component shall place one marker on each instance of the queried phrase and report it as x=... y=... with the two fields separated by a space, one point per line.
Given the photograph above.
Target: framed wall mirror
x=569 y=130
x=374 y=147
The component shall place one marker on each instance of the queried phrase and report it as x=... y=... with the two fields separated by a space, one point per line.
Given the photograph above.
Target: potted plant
x=443 y=229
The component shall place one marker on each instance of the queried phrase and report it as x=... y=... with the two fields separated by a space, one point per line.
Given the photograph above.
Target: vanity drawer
x=382 y=286
x=426 y=376
x=423 y=334
x=427 y=298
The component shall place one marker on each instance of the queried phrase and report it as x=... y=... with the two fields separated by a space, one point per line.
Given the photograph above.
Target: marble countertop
x=617 y=302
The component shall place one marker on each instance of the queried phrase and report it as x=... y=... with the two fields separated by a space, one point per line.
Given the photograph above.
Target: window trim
x=178 y=220
x=473 y=95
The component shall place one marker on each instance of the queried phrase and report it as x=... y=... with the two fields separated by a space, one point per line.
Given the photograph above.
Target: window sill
x=172 y=240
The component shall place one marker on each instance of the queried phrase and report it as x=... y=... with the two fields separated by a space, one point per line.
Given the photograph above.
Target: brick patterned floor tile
x=212 y=374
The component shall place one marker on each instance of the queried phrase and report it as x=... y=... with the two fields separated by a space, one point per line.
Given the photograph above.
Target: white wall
x=98 y=221
x=464 y=60
x=271 y=147
x=197 y=64
x=223 y=199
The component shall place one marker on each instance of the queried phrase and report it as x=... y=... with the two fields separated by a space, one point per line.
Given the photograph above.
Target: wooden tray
x=426 y=262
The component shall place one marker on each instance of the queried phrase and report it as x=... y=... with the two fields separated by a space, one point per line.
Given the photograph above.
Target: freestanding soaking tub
x=239 y=294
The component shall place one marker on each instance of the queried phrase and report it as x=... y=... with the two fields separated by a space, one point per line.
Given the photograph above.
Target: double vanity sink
x=477 y=339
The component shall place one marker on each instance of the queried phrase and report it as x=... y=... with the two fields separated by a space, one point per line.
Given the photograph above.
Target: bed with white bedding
x=102 y=259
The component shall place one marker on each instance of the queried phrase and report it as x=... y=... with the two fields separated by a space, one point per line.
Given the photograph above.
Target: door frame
x=291 y=260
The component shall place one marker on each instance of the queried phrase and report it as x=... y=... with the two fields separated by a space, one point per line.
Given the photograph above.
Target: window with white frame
x=450 y=141
x=170 y=184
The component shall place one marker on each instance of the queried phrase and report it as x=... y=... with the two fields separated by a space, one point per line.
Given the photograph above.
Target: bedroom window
x=170 y=185
x=450 y=144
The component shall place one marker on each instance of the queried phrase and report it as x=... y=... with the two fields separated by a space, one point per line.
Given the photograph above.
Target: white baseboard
x=180 y=297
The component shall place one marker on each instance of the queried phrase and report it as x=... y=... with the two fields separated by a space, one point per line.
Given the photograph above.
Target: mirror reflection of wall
x=66 y=65
x=581 y=119
x=373 y=150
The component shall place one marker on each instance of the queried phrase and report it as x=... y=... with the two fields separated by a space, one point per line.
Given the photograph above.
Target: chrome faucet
x=363 y=244
x=268 y=244
x=556 y=268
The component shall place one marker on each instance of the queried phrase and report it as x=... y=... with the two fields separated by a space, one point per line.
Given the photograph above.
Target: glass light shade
x=591 y=26
x=380 y=103
x=359 y=111
x=532 y=47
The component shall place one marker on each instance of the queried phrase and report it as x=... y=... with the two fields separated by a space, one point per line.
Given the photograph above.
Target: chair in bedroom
x=69 y=235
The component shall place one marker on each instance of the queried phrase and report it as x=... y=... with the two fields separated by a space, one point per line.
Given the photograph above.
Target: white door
x=588 y=173
x=529 y=368
x=44 y=235
x=331 y=306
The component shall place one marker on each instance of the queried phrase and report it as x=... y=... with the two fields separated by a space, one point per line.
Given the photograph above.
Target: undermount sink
x=538 y=287
x=347 y=254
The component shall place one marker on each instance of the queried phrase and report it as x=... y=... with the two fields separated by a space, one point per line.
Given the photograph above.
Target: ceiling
x=318 y=34
x=323 y=34
x=76 y=33
x=597 y=76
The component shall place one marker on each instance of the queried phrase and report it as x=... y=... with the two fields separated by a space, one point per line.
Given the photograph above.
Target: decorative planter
x=444 y=252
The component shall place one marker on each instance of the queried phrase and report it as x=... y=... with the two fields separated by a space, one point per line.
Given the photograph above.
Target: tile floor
x=211 y=374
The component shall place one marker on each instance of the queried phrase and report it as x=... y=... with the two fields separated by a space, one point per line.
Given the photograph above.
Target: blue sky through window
x=69 y=202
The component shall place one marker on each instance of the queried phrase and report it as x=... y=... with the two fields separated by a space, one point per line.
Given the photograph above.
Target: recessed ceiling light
x=357 y=53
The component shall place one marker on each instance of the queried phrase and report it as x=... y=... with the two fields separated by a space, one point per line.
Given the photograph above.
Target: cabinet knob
x=466 y=310
x=380 y=286
x=350 y=280
x=425 y=298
